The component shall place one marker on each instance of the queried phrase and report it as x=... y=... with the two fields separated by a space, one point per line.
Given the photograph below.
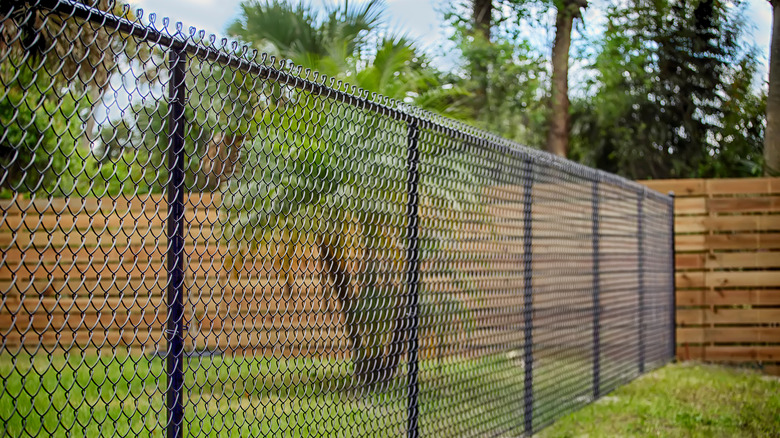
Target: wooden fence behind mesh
x=90 y=272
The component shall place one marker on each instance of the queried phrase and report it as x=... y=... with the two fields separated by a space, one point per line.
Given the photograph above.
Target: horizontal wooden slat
x=694 y=242
x=705 y=224
x=728 y=316
x=725 y=279
x=742 y=279
x=686 y=280
x=690 y=335
x=740 y=186
x=690 y=206
x=689 y=261
x=740 y=241
x=735 y=297
x=680 y=187
x=744 y=260
x=729 y=335
x=725 y=186
x=24 y=223
x=737 y=353
x=744 y=205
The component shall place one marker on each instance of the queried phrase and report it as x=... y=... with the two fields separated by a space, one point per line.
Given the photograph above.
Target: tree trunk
x=482 y=16
x=558 y=133
x=94 y=95
x=772 y=134
x=339 y=281
x=482 y=13
x=373 y=363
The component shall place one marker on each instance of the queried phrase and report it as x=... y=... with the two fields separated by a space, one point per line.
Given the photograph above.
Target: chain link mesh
x=199 y=239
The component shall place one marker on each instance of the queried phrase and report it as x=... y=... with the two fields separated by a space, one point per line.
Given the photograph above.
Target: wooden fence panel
x=728 y=269
x=91 y=273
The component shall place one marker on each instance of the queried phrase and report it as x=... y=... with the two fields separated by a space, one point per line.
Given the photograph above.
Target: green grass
x=47 y=395
x=50 y=395
x=681 y=400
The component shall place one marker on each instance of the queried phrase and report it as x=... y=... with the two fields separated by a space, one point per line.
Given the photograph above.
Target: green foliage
x=131 y=158
x=674 y=95
x=297 y=171
x=53 y=73
x=38 y=145
x=300 y=32
x=345 y=45
x=515 y=103
x=114 y=176
x=331 y=175
x=221 y=100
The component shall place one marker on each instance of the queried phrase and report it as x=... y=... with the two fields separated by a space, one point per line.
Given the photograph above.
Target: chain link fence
x=200 y=240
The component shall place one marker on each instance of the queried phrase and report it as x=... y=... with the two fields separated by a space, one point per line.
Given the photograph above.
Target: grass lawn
x=50 y=395
x=681 y=400
x=95 y=396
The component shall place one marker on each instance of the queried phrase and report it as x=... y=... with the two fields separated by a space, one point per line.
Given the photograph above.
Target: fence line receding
x=197 y=241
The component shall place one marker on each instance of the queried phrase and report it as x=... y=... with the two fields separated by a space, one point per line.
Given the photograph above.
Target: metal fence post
x=640 y=242
x=412 y=256
x=528 y=322
x=673 y=274
x=596 y=290
x=175 y=322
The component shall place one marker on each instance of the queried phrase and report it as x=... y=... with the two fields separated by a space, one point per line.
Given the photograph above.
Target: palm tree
x=333 y=178
x=308 y=188
x=299 y=33
x=343 y=46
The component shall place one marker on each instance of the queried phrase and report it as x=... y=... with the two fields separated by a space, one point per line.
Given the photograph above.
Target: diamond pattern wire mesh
x=204 y=241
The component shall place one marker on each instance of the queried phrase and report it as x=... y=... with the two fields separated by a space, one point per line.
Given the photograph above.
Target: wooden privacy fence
x=91 y=272
x=728 y=269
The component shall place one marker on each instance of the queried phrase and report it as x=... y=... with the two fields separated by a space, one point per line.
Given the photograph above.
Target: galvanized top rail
x=245 y=59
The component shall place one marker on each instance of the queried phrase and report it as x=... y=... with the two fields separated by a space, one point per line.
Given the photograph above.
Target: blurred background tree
x=505 y=75
x=669 y=89
x=674 y=94
x=311 y=191
x=50 y=96
x=348 y=42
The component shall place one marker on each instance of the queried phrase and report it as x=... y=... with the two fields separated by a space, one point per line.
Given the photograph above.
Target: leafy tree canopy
x=674 y=94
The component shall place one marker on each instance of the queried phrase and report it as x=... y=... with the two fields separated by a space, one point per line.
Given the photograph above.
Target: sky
x=419 y=19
